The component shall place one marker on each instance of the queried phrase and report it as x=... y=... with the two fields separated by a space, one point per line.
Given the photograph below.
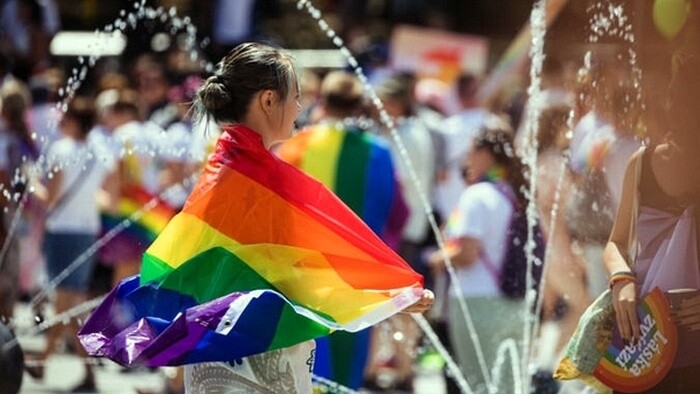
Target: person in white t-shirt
x=141 y=149
x=476 y=236
x=420 y=146
x=459 y=131
x=77 y=173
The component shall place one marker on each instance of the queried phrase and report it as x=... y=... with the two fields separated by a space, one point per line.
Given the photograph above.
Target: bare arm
x=53 y=188
x=565 y=269
x=463 y=254
x=109 y=195
x=624 y=293
x=423 y=304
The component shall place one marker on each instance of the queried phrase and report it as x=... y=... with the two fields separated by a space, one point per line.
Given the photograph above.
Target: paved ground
x=64 y=371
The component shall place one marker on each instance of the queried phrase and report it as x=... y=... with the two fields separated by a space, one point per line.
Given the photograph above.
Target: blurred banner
x=515 y=58
x=431 y=53
x=87 y=43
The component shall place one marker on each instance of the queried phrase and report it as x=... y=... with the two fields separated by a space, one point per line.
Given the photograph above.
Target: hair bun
x=214 y=94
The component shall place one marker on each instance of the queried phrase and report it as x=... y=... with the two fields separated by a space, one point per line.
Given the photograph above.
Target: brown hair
x=552 y=123
x=83 y=112
x=15 y=100
x=126 y=101
x=342 y=92
x=496 y=137
x=246 y=70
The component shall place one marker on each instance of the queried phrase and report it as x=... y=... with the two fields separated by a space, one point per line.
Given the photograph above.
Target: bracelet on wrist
x=622 y=276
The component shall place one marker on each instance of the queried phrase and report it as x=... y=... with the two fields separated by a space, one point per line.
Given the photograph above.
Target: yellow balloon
x=670 y=16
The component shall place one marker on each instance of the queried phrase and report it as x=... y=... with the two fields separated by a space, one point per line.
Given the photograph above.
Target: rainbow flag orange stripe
x=260 y=240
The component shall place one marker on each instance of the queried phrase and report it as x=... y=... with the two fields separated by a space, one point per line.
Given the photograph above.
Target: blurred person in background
x=43 y=116
x=602 y=142
x=179 y=164
x=26 y=30
x=140 y=149
x=397 y=95
x=310 y=85
x=476 y=235
x=459 y=131
x=152 y=86
x=566 y=294
x=10 y=162
x=20 y=155
x=77 y=174
x=364 y=178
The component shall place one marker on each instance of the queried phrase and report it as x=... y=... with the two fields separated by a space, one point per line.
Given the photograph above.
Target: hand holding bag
x=595 y=328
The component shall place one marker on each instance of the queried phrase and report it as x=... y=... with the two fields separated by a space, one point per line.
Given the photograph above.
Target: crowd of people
x=65 y=175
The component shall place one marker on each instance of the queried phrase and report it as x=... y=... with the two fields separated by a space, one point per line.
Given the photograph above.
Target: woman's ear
x=267 y=101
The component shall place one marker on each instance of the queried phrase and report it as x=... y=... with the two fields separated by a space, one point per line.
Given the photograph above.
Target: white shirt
x=615 y=164
x=593 y=133
x=78 y=213
x=419 y=145
x=286 y=370
x=143 y=147
x=458 y=131
x=180 y=140
x=44 y=119
x=483 y=213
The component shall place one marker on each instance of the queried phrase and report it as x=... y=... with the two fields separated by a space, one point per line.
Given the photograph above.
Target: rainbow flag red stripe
x=254 y=229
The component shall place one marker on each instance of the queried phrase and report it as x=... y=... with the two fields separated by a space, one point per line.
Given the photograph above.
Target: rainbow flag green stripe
x=355 y=165
x=189 y=245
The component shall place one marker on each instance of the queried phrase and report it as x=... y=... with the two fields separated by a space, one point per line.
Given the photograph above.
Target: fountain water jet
x=534 y=91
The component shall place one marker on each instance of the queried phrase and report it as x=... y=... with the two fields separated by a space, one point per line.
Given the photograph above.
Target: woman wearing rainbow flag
x=261 y=260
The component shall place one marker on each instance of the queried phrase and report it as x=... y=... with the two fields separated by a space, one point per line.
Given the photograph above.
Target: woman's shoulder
x=487 y=193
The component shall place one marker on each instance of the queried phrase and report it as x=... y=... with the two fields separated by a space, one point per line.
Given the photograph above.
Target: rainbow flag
x=261 y=257
x=357 y=166
x=131 y=242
